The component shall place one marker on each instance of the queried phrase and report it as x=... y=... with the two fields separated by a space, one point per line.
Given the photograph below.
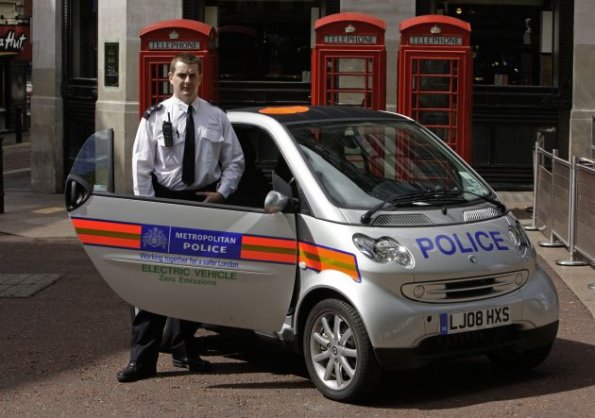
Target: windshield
x=93 y=163
x=363 y=163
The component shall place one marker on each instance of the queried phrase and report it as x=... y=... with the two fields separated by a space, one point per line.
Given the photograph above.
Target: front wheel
x=338 y=352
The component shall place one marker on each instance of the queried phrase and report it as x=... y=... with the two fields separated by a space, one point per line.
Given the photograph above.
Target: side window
x=263 y=159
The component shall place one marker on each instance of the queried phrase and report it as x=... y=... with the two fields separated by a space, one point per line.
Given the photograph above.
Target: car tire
x=338 y=353
x=520 y=360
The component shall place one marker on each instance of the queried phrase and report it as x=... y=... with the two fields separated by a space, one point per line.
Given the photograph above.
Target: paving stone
x=24 y=285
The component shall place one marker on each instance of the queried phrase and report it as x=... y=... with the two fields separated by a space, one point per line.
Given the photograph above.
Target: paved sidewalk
x=36 y=215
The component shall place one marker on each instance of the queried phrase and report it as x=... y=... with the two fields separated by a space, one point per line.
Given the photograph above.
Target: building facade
x=532 y=64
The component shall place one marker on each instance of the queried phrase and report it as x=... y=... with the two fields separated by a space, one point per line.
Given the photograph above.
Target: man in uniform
x=185 y=148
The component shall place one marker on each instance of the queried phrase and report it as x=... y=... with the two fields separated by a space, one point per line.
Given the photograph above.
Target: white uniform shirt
x=218 y=155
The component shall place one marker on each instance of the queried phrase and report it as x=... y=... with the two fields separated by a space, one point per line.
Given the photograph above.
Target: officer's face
x=185 y=80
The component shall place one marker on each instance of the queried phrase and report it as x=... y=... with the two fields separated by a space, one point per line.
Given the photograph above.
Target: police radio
x=168 y=132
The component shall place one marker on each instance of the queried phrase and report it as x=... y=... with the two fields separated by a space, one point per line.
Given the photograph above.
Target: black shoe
x=194 y=365
x=134 y=372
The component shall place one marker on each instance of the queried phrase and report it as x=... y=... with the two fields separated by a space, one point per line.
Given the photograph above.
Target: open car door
x=207 y=263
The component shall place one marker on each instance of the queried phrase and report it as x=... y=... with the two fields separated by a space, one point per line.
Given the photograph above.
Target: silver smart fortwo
x=356 y=237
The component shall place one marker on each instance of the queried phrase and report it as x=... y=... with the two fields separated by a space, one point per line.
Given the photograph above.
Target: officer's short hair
x=187 y=59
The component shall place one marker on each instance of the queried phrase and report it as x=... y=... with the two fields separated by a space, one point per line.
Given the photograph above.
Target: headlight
x=384 y=250
x=519 y=238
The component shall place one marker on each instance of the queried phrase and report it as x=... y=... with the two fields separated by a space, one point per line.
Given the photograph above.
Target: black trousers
x=147 y=327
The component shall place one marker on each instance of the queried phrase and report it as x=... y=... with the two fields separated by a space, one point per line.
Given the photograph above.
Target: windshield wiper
x=430 y=195
x=459 y=192
x=485 y=198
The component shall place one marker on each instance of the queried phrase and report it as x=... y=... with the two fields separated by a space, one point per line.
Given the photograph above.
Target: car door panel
x=203 y=263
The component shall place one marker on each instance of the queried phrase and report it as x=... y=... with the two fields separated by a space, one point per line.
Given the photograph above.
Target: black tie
x=188 y=161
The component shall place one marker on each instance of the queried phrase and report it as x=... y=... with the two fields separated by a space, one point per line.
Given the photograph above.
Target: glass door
x=349 y=81
x=161 y=89
x=435 y=98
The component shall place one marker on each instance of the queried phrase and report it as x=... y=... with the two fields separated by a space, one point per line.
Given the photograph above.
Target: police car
x=356 y=237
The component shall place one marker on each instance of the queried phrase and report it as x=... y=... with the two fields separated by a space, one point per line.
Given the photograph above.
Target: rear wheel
x=520 y=360
x=338 y=352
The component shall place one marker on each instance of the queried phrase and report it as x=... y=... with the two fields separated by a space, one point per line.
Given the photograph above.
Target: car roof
x=288 y=115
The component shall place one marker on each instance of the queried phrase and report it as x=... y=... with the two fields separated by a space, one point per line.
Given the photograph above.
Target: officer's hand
x=212 y=197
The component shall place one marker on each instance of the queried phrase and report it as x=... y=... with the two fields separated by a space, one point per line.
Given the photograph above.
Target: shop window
x=513 y=40
x=264 y=40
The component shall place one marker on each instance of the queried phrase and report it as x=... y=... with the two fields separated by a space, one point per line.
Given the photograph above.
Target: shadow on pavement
x=452 y=384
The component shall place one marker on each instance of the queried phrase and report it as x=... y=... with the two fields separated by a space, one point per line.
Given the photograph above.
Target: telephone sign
x=435 y=40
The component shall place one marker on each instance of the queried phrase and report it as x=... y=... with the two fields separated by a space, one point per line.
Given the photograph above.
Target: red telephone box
x=160 y=42
x=349 y=61
x=435 y=77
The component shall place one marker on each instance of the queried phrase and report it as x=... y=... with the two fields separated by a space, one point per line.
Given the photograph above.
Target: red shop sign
x=15 y=42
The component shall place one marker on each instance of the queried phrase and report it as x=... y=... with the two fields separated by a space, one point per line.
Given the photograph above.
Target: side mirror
x=276 y=202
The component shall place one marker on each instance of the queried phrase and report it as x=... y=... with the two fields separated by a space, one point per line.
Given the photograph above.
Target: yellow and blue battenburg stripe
x=320 y=258
x=216 y=244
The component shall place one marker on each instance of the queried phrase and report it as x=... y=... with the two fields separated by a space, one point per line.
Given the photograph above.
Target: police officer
x=185 y=148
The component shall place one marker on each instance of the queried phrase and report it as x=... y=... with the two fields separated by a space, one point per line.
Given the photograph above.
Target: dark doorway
x=80 y=75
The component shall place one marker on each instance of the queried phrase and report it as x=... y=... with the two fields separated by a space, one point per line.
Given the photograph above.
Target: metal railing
x=585 y=208
x=564 y=204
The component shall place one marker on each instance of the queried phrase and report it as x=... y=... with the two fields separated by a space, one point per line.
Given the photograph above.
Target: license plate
x=452 y=323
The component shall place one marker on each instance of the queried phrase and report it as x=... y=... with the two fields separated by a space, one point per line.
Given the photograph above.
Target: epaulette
x=152 y=110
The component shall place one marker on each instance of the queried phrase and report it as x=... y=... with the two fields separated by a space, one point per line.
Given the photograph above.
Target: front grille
x=403 y=219
x=465 y=289
x=480 y=214
x=475 y=289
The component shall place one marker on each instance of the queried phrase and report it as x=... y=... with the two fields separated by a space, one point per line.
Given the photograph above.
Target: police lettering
x=465 y=243
x=208 y=248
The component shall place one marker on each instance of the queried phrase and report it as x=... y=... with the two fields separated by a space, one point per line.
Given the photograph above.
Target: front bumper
x=466 y=344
